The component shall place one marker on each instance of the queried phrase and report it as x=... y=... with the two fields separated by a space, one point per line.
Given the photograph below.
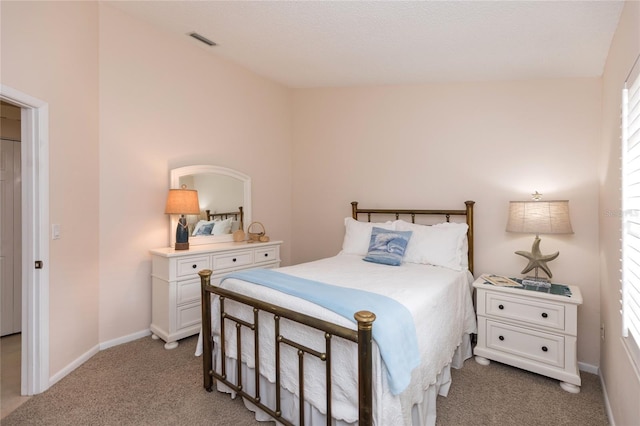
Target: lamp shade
x=182 y=201
x=539 y=217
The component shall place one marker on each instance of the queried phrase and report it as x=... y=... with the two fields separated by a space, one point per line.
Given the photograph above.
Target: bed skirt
x=423 y=414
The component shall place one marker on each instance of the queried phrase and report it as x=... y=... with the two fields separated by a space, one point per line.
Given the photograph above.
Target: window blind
x=631 y=206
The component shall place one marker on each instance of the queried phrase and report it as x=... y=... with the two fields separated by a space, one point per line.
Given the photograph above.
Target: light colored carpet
x=498 y=394
x=141 y=383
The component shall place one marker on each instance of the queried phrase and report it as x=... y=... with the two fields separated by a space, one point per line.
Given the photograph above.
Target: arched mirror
x=224 y=196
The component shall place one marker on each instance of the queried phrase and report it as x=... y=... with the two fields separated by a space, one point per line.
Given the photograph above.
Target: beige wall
x=49 y=52
x=621 y=380
x=441 y=144
x=165 y=103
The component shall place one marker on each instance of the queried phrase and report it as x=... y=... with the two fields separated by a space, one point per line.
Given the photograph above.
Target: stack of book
x=501 y=281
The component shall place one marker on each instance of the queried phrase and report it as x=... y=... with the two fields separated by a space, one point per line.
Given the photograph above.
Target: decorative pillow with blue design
x=387 y=246
x=203 y=227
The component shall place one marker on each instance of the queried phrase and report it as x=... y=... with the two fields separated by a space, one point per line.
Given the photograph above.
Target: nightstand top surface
x=575 y=298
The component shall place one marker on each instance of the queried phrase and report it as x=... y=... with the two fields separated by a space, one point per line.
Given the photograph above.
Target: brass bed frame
x=238 y=216
x=361 y=336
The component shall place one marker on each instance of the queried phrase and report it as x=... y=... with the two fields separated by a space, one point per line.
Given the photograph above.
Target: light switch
x=55 y=231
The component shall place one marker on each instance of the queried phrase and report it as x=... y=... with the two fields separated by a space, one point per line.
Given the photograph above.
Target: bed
x=296 y=360
x=235 y=218
x=219 y=223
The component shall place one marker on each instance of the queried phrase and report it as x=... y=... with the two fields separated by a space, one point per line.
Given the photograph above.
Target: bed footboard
x=362 y=337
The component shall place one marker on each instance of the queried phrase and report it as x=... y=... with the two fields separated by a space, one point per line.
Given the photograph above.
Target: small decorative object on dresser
x=257 y=232
x=238 y=235
x=530 y=327
x=175 y=284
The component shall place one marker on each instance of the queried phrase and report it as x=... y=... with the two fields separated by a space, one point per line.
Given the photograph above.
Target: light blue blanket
x=393 y=330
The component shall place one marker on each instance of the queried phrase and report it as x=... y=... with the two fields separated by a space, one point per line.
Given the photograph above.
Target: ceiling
x=354 y=43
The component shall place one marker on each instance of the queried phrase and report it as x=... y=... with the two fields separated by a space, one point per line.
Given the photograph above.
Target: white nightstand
x=528 y=329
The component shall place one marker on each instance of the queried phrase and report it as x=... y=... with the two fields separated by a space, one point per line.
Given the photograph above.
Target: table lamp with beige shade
x=538 y=217
x=182 y=201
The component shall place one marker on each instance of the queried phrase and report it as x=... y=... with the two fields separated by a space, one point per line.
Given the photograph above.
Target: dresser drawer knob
x=266 y=255
x=544 y=349
x=544 y=315
x=501 y=337
x=234 y=259
x=500 y=306
x=194 y=266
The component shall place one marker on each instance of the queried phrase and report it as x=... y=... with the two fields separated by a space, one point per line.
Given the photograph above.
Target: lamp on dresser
x=539 y=217
x=182 y=201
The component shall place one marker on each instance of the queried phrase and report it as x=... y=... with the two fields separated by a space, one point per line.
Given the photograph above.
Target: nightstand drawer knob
x=266 y=255
x=235 y=260
x=194 y=266
x=500 y=306
x=544 y=349
x=501 y=337
x=544 y=315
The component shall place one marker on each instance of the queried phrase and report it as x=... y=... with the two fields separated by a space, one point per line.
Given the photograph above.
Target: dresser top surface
x=210 y=248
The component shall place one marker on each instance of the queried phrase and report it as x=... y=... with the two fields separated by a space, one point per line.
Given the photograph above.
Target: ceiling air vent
x=202 y=39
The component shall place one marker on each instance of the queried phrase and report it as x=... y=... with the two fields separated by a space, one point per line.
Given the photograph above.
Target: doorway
x=10 y=258
x=34 y=244
x=10 y=227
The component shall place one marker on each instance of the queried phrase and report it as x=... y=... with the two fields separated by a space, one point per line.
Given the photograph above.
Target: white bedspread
x=439 y=300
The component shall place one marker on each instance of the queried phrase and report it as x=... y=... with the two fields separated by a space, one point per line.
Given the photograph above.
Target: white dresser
x=528 y=329
x=175 y=284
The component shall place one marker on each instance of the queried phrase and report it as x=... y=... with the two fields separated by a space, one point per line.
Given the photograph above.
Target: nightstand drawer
x=232 y=260
x=525 y=310
x=525 y=343
x=267 y=254
x=192 y=265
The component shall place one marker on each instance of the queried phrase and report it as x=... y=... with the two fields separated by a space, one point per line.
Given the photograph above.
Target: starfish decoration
x=537 y=259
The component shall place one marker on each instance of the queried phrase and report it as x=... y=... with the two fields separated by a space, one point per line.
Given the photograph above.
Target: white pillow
x=197 y=230
x=357 y=235
x=439 y=245
x=222 y=227
x=463 y=243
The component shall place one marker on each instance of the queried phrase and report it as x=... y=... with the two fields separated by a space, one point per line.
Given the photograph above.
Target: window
x=631 y=213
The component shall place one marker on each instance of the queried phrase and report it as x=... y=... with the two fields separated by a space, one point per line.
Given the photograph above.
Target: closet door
x=10 y=238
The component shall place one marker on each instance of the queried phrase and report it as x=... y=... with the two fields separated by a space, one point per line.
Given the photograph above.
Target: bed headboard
x=467 y=212
x=237 y=216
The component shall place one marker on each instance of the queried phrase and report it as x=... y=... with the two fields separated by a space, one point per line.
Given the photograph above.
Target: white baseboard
x=94 y=350
x=75 y=364
x=588 y=368
x=607 y=405
x=124 y=339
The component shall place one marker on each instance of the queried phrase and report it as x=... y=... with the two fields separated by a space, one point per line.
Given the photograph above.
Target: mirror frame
x=179 y=172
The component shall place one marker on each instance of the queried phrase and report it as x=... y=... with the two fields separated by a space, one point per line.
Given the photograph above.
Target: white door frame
x=35 y=239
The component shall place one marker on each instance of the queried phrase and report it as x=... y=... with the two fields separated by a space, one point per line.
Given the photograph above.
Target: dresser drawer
x=525 y=311
x=525 y=343
x=232 y=260
x=267 y=254
x=188 y=291
x=192 y=265
x=188 y=316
